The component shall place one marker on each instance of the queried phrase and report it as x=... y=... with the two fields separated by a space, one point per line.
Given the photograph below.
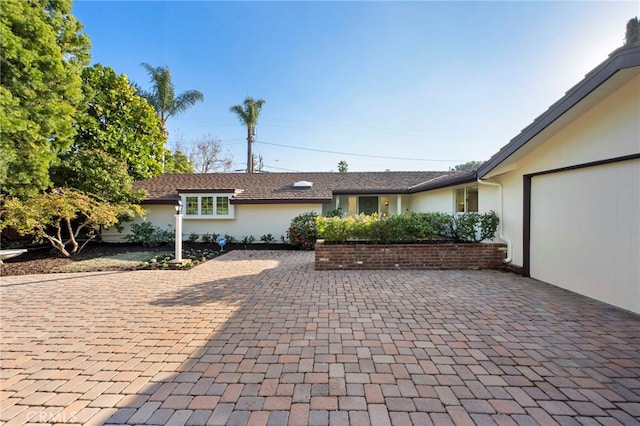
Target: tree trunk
x=249 y=148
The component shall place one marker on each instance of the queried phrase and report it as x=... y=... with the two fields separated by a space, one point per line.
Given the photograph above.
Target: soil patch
x=42 y=260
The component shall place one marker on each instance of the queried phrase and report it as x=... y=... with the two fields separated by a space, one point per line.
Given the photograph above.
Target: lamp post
x=178 y=258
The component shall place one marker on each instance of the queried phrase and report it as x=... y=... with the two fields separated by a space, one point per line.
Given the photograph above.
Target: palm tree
x=162 y=95
x=248 y=114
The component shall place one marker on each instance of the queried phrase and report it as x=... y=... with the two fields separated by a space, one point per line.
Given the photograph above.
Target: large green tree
x=248 y=113
x=470 y=165
x=177 y=161
x=118 y=139
x=162 y=95
x=42 y=56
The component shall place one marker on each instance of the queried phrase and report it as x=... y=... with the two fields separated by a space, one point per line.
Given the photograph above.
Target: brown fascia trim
x=206 y=191
x=370 y=191
x=445 y=183
x=166 y=201
x=625 y=57
x=283 y=201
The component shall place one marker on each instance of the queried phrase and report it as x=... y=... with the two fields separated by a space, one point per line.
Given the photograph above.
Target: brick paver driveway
x=261 y=338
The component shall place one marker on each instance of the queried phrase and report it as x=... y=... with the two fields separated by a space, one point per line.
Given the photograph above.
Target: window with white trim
x=467 y=199
x=208 y=206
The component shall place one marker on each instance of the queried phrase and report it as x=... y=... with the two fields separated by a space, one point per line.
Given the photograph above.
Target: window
x=208 y=206
x=222 y=206
x=192 y=206
x=467 y=199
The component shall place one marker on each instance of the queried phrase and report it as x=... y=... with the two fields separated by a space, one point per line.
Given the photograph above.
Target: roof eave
x=445 y=183
x=206 y=190
x=625 y=57
x=370 y=191
x=281 y=201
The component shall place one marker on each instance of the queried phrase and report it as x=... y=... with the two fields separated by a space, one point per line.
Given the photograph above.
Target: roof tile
x=274 y=187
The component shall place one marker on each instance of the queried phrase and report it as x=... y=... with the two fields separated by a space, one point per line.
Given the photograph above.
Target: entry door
x=368 y=204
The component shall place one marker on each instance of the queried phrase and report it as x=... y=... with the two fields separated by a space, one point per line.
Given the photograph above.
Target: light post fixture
x=178 y=258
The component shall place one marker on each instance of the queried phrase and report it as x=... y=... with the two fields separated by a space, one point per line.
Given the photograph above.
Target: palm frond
x=185 y=100
x=239 y=111
x=249 y=111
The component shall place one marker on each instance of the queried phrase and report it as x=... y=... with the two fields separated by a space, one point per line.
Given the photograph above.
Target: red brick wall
x=408 y=256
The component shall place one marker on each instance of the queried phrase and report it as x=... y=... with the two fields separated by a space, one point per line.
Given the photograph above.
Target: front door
x=368 y=205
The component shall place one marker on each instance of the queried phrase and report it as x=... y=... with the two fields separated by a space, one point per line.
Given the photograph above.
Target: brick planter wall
x=361 y=256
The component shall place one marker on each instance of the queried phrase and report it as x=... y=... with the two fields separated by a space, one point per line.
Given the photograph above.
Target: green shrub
x=488 y=225
x=248 y=239
x=334 y=228
x=472 y=227
x=423 y=226
x=148 y=235
x=334 y=213
x=462 y=227
x=303 y=231
x=193 y=237
x=267 y=239
x=408 y=227
x=209 y=238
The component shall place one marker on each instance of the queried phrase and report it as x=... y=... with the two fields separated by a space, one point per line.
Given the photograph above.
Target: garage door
x=585 y=231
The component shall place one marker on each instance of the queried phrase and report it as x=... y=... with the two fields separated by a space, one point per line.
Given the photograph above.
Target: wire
x=266 y=166
x=357 y=155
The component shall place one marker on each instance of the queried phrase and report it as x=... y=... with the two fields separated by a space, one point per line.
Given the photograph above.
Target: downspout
x=500 y=232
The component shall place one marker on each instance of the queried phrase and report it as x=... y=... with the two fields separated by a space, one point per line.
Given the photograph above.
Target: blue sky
x=427 y=85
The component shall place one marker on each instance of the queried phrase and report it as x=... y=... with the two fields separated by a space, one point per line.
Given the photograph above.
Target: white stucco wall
x=438 y=200
x=250 y=219
x=443 y=200
x=162 y=216
x=608 y=129
x=511 y=217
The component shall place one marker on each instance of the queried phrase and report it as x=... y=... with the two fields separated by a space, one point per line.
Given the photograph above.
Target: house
x=567 y=188
x=257 y=204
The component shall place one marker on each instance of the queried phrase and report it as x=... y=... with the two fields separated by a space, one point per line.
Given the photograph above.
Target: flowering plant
x=303 y=232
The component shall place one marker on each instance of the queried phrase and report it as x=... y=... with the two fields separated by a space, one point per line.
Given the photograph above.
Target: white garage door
x=585 y=232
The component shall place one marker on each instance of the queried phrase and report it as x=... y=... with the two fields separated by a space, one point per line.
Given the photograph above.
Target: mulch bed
x=42 y=260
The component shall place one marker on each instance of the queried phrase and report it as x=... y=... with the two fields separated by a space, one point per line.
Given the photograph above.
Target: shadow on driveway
x=261 y=338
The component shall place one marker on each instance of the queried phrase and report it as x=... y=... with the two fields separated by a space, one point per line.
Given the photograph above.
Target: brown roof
x=278 y=187
x=446 y=180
